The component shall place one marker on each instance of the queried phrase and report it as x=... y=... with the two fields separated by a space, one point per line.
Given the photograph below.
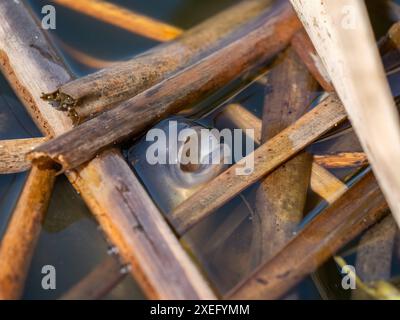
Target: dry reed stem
x=123 y=18
x=281 y=196
x=271 y=34
x=341 y=160
x=13 y=154
x=352 y=60
x=360 y=207
x=19 y=241
x=267 y=157
x=124 y=210
x=86 y=96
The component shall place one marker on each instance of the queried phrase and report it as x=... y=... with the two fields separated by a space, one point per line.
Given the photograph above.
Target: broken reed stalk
x=352 y=60
x=267 y=157
x=303 y=46
x=322 y=182
x=203 y=203
x=342 y=160
x=98 y=283
x=121 y=205
x=86 y=96
x=271 y=34
x=360 y=207
x=281 y=196
x=13 y=154
x=19 y=241
x=279 y=149
x=325 y=184
x=123 y=18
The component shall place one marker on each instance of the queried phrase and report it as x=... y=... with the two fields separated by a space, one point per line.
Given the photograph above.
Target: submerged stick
x=98 y=283
x=322 y=182
x=266 y=158
x=86 y=96
x=326 y=185
x=123 y=18
x=303 y=46
x=115 y=196
x=352 y=60
x=281 y=196
x=361 y=206
x=13 y=154
x=374 y=256
x=236 y=116
x=86 y=59
x=19 y=241
x=208 y=199
x=271 y=35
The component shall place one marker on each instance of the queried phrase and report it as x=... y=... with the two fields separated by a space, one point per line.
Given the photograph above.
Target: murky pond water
x=70 y=239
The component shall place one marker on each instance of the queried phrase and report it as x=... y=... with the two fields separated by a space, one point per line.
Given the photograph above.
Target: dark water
x=70 y=239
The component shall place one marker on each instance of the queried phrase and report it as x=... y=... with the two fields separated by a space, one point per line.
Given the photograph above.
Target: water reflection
x=181 y=180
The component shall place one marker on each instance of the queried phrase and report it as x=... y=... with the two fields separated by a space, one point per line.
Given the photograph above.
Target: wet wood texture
x=322 y=182
x=281 y=196
x=103 y=89
x=13 y=154
x=303 y=46
x=19 y=241
x=267 y=157
x=125 y=212
x=361 y=206
x=271 y=34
